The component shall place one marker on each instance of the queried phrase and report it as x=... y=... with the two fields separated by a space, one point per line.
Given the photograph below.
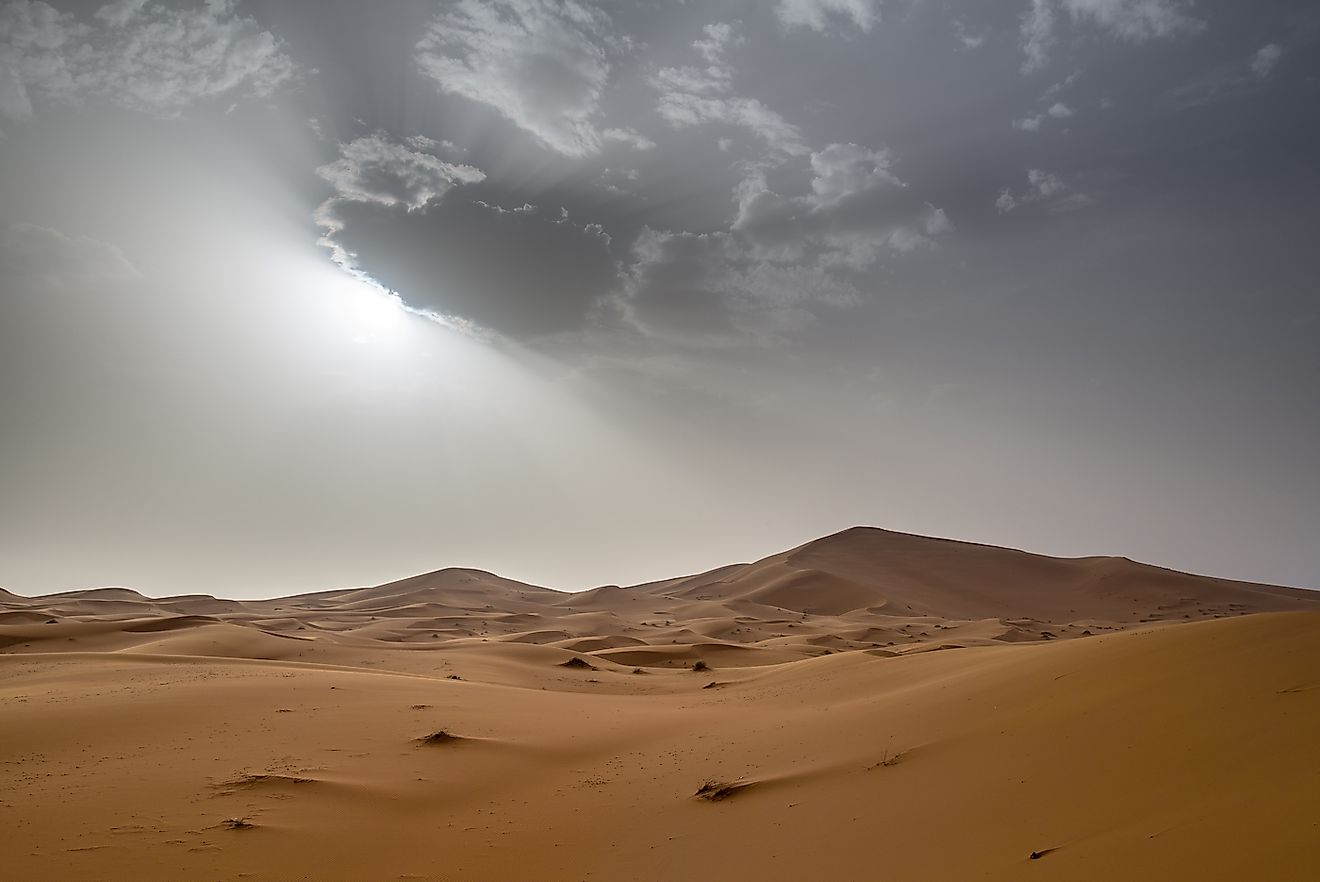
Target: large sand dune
x=1117 y=720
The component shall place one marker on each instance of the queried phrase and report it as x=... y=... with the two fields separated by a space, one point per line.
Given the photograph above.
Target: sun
x=369 y=311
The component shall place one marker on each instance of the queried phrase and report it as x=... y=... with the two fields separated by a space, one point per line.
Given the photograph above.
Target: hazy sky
x=676 y=284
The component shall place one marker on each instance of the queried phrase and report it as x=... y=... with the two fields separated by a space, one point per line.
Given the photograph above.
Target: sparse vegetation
x=700 y=666
x=887 y=759
x=714 y=791
x=440 y=736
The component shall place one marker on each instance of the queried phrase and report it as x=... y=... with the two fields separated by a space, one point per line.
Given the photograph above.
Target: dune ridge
x=863 y=588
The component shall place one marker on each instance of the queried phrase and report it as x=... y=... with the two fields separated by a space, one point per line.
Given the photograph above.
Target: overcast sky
x=300 y=294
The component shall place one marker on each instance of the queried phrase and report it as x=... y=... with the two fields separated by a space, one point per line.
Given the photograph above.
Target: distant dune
x=802 y=716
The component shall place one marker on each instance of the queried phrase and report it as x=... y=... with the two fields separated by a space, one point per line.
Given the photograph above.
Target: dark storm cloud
x=524 y=272
x=903 y=126
x=411 y=222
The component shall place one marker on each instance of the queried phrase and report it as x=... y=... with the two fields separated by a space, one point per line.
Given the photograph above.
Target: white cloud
x=141 y=56
x=1037 y=32
x=1133 y=20
x=966 y=37
x=691 y=96
x=1006 y=202
x=1235 y=79
x=687 y=109
x=48 y=258
x=1265 y=59
x=1045 y=188
x=1032 y=123
x=421 y=142
x=820 y=14
x=719 y=37
x=377 y=171
x=632 y=138
x=543 y=65
x=120 y=12
x=1043 y=184
x=373 y=169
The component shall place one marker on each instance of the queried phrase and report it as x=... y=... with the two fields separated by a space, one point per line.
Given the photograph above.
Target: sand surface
x=873 y=705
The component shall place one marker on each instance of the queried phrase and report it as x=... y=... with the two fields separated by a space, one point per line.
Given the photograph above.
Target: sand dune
x=869 y=705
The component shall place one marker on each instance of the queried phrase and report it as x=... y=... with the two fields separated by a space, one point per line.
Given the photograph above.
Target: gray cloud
x=784 y=258
x=855 y=209
x=707 y=290
x=543 y=65
x=134 y=54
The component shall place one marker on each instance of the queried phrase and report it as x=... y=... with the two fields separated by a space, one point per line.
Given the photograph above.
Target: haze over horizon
x=302 y=295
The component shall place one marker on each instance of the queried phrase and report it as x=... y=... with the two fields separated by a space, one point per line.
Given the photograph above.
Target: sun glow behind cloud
x=370 y=313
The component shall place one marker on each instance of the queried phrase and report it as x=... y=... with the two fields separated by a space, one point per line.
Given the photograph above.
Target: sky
x=305 y=294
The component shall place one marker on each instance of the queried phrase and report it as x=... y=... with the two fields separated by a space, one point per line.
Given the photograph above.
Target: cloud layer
x=820 y=15
x=693 y=95
x=1135 y=21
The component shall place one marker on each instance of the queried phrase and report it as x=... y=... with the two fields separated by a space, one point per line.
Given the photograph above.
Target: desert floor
x=868 y=706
